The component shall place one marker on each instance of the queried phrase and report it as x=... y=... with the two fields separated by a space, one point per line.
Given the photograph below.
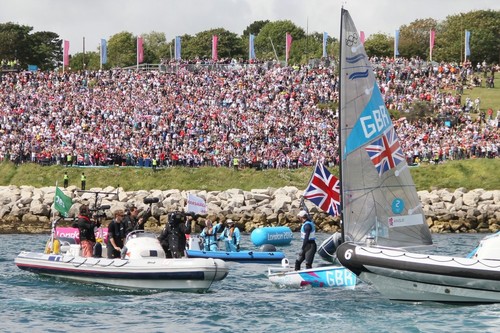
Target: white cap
x=302 y=213
x=229 y=221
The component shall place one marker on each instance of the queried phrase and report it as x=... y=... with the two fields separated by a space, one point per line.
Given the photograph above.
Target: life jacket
x=312 y=234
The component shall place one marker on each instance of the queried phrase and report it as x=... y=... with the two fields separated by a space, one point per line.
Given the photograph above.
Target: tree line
x=44 y=49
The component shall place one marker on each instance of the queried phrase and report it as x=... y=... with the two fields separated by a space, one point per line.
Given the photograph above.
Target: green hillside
x=471 y=174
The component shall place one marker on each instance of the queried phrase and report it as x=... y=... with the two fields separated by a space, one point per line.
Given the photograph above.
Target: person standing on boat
x=308 y=236
x=132 y=221
x=209 y=235
x=116 y=235
x=231 y=236
x=87 y=234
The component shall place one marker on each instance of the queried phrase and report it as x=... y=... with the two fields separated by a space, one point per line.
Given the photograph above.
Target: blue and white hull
x=241 y=256
x=317 y=277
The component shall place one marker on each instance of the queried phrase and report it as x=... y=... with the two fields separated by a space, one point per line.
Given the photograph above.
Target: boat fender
x=285 y=263
x=268 y=248
x=47 y=247
x=271 y=235
x=57 y=246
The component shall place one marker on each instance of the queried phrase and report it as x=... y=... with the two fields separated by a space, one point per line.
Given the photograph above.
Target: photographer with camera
x=173 y=236
x=87 y=233
x=132 y=221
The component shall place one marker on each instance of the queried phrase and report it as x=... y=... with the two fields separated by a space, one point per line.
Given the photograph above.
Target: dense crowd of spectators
x=267 y=116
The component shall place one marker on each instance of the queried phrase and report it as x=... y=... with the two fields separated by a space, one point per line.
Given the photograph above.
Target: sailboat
x=323 y=191
x=381 y=211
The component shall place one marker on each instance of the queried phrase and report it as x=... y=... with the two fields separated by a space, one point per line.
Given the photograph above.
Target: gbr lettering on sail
x=375 y=122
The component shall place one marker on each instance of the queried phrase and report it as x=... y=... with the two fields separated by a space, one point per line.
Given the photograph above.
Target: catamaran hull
x=408 y=276
x=324 y=277
x=241 y=257
x=152 y=273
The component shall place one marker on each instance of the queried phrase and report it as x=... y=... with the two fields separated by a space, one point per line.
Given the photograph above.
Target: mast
x=341 y=157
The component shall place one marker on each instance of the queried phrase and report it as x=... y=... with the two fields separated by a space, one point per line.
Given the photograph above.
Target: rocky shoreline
x=27 y=209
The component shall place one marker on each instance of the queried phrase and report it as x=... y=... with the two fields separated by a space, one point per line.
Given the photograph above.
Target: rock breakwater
x=27 y=209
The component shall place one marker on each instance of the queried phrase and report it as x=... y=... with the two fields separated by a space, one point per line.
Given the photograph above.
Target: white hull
x=324 y=277
x=144 y=267
x=408 y=276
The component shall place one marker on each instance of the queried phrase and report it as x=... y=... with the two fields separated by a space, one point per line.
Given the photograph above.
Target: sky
x=74 y=20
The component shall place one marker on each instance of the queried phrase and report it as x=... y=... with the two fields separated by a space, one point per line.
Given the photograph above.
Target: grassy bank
x=471 y=174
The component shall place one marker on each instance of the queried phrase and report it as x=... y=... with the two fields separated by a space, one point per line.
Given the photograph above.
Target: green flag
x=62 y=203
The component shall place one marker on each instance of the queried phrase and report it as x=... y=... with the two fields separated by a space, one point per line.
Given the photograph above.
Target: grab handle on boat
x=285 y=263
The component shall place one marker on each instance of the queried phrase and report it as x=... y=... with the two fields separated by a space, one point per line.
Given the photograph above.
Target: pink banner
x=432 y=37
x=215 y=41
x=140 y=50
x=73 y=233
x=66 y=53
x=362 y=37
x=288 y=46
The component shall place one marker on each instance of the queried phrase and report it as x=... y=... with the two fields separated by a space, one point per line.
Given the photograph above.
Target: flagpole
x=275 y=54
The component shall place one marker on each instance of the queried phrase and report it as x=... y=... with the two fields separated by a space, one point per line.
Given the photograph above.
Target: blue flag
x=251 y=47
x=396 y=44
x=178 y=48
x=467 y=43
x=104 y=51
x=325 y=39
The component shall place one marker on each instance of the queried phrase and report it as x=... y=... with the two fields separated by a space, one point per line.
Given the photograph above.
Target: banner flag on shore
x=396 y=44
x=325 y=39
x=432 y=37
x=66 y=53
x=178 y=48
x=104 y=51
x=140 y=50
x=288 y=46
x=196 y=205
x=467 y=43
x=62 y=203
x=324 y=190
x=215 y=41
x=251 y=47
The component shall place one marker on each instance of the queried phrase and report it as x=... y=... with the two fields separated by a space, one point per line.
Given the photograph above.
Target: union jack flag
x=385 y=152
x=324 y=190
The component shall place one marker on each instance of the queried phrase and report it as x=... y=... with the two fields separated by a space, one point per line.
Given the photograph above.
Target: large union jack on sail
x=324 y=190
x=385 y=152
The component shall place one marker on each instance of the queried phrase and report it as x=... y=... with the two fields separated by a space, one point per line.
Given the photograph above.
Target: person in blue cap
x=231 y=236
x=308 y=236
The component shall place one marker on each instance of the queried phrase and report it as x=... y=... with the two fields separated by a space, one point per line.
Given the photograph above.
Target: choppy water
x=244 y=302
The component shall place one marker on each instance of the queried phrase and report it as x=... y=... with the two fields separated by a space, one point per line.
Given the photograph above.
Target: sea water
x=243 y=302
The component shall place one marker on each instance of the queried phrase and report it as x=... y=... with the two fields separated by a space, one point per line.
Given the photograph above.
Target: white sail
x=379 y=198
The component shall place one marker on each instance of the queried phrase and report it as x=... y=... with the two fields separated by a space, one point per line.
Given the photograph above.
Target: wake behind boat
x=144 y=266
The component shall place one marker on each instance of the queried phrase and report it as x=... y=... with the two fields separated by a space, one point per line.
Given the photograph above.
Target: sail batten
x=378 y=193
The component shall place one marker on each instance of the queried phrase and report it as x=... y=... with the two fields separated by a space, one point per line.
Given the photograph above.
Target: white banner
x=196 y=205
x=405 y=220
